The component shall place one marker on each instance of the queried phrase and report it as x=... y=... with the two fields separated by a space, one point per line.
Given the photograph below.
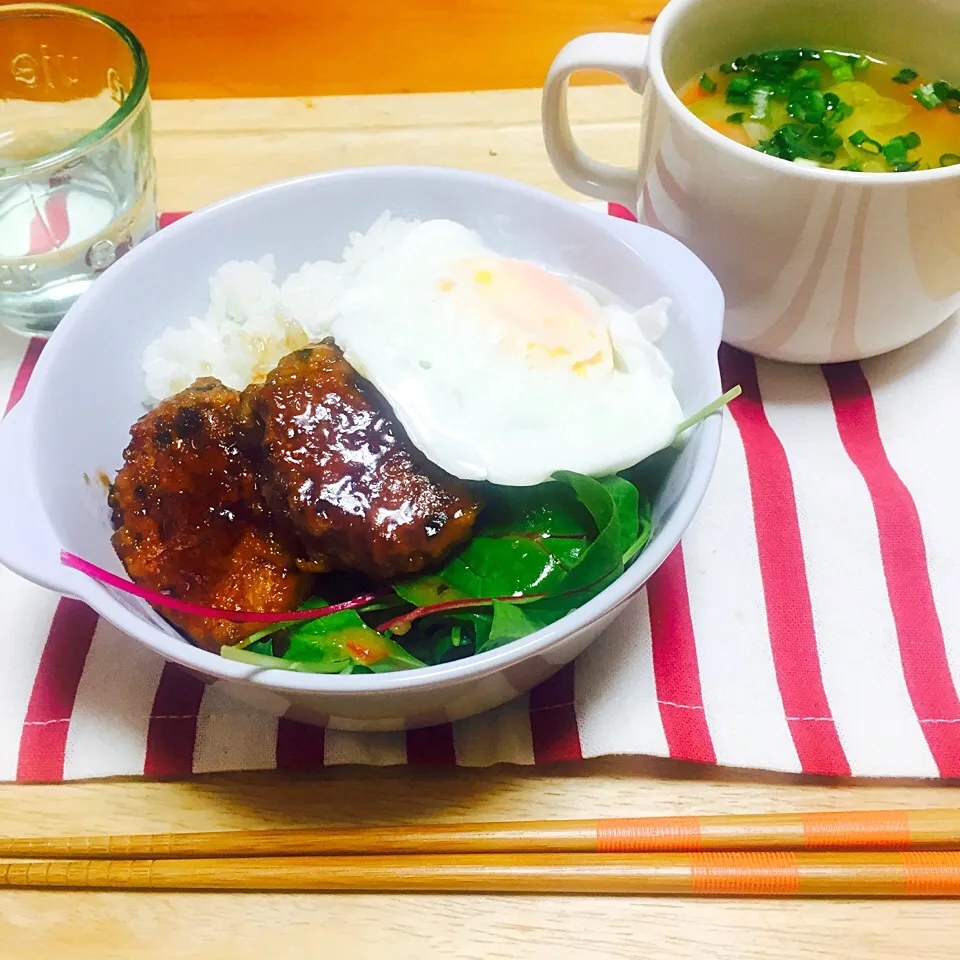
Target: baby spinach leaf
x=604 y=555
x=592 y=494
x=502 y=567
x=343 y=638
x=548 y=508
x=266 y=662
x=644 y=533
x=626 y=503
x=510 y=622
x=426 y=591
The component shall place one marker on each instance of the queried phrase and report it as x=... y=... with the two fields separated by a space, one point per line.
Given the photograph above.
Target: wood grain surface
x=206 y=151
x=247 y=48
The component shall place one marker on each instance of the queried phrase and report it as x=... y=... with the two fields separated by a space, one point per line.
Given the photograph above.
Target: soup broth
x=833 y=109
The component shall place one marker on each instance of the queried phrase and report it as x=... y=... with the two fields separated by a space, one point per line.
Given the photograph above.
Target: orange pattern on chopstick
x=744 y=874
x=637 y=835
x=866 y=830
x=929 y=874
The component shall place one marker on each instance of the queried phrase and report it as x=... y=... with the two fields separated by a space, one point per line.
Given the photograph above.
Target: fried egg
x=500 y=370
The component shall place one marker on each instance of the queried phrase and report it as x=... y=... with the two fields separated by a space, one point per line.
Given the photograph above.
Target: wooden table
x=207 y=150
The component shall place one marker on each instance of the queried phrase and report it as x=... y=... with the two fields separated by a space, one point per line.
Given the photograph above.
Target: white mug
x=816 y=265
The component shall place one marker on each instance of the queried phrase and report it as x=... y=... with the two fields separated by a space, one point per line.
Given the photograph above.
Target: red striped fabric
x=676 y=671
x=43 y=742
x=29 y=361
x=167 y=218
x=431 y=746
x=172 y=734
x=783 y=568
x=553 y=719
x=299 y=745
x=672 y=669
x=919 y=632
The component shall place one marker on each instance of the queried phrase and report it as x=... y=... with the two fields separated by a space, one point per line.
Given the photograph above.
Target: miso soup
x=828 y=108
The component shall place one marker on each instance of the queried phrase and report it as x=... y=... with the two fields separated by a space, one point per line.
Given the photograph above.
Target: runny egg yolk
x=536 y=316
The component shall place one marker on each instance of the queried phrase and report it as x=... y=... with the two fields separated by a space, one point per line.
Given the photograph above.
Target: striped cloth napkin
x=810 y=620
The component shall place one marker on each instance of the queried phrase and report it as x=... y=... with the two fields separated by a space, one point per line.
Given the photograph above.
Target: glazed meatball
x=190 y=519
x=342 y=471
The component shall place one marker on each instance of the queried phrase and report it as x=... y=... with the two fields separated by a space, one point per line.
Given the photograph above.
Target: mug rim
x=662 y=27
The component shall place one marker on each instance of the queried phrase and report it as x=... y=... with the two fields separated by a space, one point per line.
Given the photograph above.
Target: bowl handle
x=666 y=255
x=28 y=545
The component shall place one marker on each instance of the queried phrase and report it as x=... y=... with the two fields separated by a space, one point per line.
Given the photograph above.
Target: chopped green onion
x=953 y=106
x=853 y=168
x=707 y=83
x=911 y=140
x=906 y=167
x=949 y=160
x=806 y=78
x=828 y=156
x=789 y=138
x=833 y=60
x=810 y=106
x=862 y=63
x=727 y=68
x=926 y=96
x=942 y=90
x=806 y=53
x=735 y=118
x=905 y=76
x=739 y=90
x=861 y=140
x=843 y=73
x=823 y=138
x=895 y=152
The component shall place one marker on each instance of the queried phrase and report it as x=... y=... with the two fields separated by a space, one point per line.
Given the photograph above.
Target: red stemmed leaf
x=195 y=609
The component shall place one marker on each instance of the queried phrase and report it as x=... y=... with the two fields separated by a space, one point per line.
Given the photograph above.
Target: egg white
x=498 y=372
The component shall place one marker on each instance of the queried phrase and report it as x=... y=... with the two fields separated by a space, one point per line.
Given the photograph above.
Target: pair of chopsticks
x=895 y=853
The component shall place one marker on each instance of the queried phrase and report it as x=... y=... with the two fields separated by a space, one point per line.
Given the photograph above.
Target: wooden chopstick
x=757 y=874
x=852 y=830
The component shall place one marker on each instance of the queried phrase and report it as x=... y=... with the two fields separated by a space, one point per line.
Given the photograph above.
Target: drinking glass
x=77 y=183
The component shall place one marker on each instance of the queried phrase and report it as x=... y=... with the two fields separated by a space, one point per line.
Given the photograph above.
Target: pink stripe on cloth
x=783 y=570
x=620 y=212
x=919 y=632
x=44 y=738
x=167 y=218
x=30 y=358
x=675 y=668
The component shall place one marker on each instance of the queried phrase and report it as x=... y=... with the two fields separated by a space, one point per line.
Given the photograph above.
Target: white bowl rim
x=474 y=667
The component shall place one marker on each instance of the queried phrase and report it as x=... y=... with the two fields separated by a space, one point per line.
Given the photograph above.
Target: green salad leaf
x=509 y=623
x=337 y=643
x=538 y=553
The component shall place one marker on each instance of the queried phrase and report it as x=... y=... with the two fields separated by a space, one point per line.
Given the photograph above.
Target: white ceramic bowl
x=74 y=419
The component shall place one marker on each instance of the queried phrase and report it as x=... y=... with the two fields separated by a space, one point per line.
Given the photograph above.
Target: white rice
x=251 y=322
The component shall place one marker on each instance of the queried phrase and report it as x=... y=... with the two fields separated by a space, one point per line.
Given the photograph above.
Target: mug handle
x=624 y=54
